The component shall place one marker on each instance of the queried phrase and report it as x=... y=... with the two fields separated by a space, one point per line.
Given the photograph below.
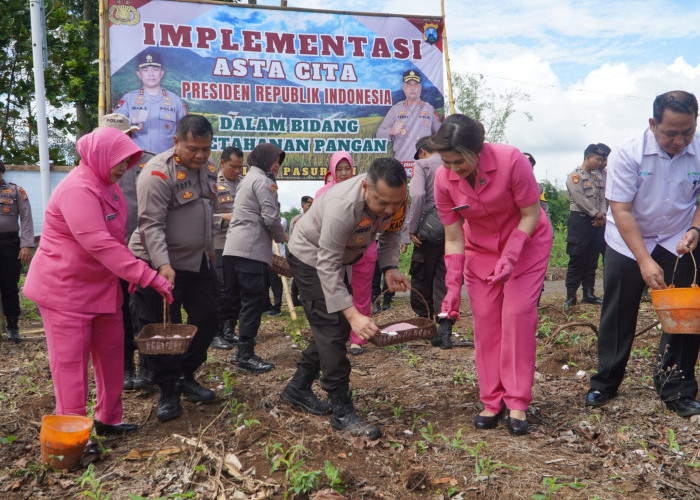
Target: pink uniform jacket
x=81 y=254
x=504 y=184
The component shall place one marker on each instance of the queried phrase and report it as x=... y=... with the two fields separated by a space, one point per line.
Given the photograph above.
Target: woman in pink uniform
x=499 y=237
x=341 y=169
x=74 y=278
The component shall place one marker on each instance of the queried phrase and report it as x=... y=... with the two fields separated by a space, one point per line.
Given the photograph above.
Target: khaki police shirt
x=421 y=190
x=336 y=232
x=223 y=204
x=586 y=192
x=417 y=120
x=127 y=183
x=175 y=221
x=15 y=211
x=256 y=220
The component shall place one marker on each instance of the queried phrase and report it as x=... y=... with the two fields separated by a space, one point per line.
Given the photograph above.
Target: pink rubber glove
x=163 y=287
x=132 y=287
x=509 y=257
x=454 y=263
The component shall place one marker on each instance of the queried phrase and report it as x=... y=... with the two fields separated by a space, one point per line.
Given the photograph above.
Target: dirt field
x=424 y=399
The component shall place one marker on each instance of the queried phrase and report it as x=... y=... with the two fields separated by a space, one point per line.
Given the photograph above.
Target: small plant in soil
x=297 y=480
x=429 y=435
x=94 y=485
x=333 y=475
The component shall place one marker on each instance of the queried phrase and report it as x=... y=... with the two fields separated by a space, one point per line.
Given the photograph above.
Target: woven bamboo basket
x=166 y=337
x=280 y=266
x=423 y=328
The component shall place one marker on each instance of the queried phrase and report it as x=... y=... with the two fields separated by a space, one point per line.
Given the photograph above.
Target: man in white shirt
x=653 y=184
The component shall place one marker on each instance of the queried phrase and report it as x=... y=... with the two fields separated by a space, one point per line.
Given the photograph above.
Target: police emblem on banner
x=124 y=14
x=430 y=33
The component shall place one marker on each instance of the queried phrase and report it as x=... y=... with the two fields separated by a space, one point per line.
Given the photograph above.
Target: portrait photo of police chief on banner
x=311 y=82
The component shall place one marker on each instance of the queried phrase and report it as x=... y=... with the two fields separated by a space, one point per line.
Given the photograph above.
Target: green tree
x=558 y=201
x=473 y=98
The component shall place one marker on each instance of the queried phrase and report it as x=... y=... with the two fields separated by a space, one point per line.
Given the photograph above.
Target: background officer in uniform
x=427 y=263
x=175 y=234
x=127 y=183
x=335 y=233
x=15 y=251
x=409 y=120
x=586 y=225
x=227 y=181
x=306 y=202
x=152 y=108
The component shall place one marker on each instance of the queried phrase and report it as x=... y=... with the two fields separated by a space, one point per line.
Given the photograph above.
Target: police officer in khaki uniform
x=153 y=109
x=334 y=234
x=586 y=225
x=15 y=251
x=175 y=234
x=127 y=183
x=227 y=181
x=409 y=120
x=306 y=202
x=248 y=250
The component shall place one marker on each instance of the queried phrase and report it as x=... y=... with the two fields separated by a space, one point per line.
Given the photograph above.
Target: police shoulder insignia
x=273 y=188
x=159 y=174
x=6 y=210
x=180 y=175
x=220 y=187
x=364 y=222
x=360 y=239
x=8 y=191
x=142 y=164
x=211 y=167
x=187 y=195
x=575 y=178
x=119 y=104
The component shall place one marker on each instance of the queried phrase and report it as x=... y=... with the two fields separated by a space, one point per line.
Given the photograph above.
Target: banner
x=311 y=82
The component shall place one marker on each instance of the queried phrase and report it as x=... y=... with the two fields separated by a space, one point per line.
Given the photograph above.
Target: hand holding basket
x=420 y=328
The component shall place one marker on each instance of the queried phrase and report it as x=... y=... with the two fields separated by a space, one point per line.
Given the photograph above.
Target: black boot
x=143 y=378
x=345 y=419
x=570 y=297
x=377 y=307
x=13 y=329
x=387 y=301
x=245 y=358
x=443 y=336
x=220 y=342
x=229 y=332
x=129 y=371
x=590 y=298
x=168 y=403
x=298 y=393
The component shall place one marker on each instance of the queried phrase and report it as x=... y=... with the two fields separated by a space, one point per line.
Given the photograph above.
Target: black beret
x=307 y=199
x=411 y=76
x=604 y=148
x=596 y=149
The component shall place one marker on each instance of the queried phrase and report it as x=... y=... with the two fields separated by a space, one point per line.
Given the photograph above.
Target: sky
x=591 y=68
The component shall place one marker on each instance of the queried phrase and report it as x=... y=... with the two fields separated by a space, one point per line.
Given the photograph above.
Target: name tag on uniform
x=111 y=216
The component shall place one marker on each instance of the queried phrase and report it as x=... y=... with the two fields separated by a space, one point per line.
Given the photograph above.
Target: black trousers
x=197 y=293
x=584 y=243
x=251 y=276
x=230 y=291
x=276 y=285
x=428 y=278
x=379 y=285
x=326 y=352
x=674 y=375
x=10 y=268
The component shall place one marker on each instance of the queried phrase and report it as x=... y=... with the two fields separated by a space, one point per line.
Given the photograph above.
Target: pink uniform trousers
x=361 y=283
x=505 y=325
x=71 y=338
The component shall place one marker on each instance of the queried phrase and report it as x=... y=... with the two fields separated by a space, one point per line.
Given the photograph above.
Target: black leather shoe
x=684 y=407
x=516 y=427
x=598 y=398
x=102 y=429
x=13 y=335
x=592 y=299
x=195 y=392
x=305 y=399
x=488 y=422
x=168 y=405
x=221 y=343
x=570 y=301
x=274 y=312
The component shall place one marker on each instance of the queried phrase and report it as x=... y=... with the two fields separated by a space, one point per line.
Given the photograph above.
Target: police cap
x=596 y=149
x=307 y=199
x=120 y=122
x=421 y=143
x=149 y=58
x=604 y=148
x=411 y=76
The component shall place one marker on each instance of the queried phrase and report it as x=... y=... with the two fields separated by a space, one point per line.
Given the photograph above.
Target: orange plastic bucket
x=63 y=439
x=678 y=309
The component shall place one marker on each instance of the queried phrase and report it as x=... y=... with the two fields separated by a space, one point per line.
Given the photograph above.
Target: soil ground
x=423 y=398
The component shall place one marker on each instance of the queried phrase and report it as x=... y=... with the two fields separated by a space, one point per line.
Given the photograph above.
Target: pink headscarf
x=103 y=148
x=335 y=159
